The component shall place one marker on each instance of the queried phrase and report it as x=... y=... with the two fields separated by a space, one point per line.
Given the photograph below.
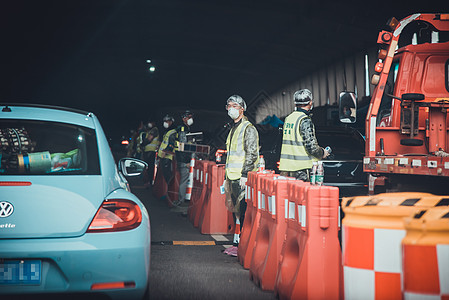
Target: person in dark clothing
x=150 y=145
x=183 y=161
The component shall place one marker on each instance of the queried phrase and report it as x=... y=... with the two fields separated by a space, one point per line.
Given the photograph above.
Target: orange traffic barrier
x=160 y=188
x=204 y=176
x=173 y=186
x=159 y=185
x=252 y=216
x=310 y=266
x=270 y=233
x=294 y=239
x=190 y=182
x=249 y=215
x=215 y=218
x=426 y=254
x=373 y=228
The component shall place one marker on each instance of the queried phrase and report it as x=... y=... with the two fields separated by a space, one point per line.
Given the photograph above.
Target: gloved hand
x=243 y=182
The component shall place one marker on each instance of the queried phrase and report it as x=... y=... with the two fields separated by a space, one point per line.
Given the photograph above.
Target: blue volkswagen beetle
x=68 y=221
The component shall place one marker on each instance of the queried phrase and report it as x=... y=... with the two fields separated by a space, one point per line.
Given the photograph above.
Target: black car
x=343 y=168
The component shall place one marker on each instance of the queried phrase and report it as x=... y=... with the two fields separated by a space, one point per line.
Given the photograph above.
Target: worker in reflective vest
x=167 y=149
x=242 y=147
x=150 y=144
x=299 y=144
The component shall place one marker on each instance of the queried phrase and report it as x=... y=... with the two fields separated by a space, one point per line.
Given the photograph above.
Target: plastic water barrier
x=373 y=229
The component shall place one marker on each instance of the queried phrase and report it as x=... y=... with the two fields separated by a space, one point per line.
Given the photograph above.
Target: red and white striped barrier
x=190 y=182
x=373 y=229
x=426 y=255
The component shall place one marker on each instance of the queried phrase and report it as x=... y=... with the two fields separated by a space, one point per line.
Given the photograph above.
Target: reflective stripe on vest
x=140 y=137
x=164 y=144
x=153 y=145
x=236 y=152
x=294 y=156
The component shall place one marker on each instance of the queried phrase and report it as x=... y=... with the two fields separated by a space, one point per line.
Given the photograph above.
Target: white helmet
x=303 y=96
x=237 y=99
x=168 y=118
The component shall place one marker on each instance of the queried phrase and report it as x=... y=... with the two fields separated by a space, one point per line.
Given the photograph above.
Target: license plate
x=20 y=272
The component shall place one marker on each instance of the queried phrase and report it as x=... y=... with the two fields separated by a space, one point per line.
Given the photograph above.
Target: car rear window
x=47 y=148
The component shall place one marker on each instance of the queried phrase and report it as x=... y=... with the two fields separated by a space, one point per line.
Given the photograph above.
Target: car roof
x=6 y=105
x=46 y=113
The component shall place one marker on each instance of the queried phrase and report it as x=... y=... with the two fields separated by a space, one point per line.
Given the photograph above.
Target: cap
x=168 y=118
x=303 y=96
x=187 y=113
x=237 y=99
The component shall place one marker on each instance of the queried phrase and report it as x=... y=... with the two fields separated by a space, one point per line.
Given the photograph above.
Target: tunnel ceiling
x=92 y=54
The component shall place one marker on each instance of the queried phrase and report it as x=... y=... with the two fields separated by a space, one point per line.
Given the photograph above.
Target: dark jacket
x=307 y=131
x=181 y=156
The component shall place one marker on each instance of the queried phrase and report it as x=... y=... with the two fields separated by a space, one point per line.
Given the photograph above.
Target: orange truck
x=407 y=137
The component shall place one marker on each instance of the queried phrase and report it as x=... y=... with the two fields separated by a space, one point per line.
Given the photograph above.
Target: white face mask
x=166 y=125
x=190 y=122
x=233 y=113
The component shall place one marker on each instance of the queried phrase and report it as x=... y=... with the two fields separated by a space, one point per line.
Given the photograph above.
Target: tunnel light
x=152 y=69
x=148 y=61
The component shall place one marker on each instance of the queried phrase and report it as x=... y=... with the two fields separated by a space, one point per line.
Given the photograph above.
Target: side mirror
x=131 y=166
x=347 y=106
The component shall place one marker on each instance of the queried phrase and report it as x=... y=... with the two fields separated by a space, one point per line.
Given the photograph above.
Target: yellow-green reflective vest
x=236 y=152
x=294 y=156
x=154 y=143
x=164 y=144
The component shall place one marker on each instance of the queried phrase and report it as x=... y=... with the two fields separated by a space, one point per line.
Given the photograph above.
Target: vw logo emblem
x=6 y=209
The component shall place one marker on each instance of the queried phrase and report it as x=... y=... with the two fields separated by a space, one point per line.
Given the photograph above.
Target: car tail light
x=113 y=285
x=116 y=215
x=15 y=183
